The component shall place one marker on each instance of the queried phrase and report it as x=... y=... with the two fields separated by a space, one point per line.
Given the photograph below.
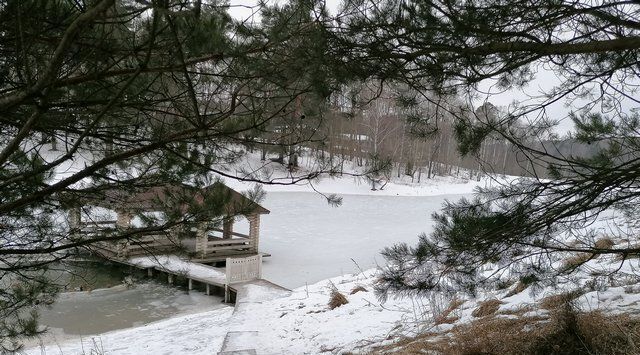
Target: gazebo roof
x=161 y=197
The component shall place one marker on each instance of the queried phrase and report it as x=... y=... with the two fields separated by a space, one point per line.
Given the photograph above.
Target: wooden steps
x=235 y=343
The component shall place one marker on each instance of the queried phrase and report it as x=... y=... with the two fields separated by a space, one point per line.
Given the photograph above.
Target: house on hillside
x=165 y=219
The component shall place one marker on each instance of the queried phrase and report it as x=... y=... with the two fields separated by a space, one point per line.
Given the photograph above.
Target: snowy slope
x=297 y=324
x=302 y=322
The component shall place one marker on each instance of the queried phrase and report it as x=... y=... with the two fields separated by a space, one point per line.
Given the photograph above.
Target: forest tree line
x=390 y=128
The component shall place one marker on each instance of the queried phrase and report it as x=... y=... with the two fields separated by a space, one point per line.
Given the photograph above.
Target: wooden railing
x=149 y=244
x=154 y=242
x=145 y=244
x=232 y=233
x=243 y=269
x=222 y=244
x=216 y=244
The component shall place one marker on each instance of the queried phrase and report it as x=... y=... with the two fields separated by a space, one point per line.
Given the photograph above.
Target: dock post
x=226 y=293
x=190 y=284
x=150 y=272
x=207 y=292
x=170 y=278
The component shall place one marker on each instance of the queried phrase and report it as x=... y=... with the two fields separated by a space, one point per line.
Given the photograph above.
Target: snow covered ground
x=200 y=333
x=303 y=251
x=77 y=315
x=302 y=322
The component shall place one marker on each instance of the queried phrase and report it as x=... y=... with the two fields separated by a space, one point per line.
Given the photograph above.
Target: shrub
x=444 y=317
x=336 y=299
x=486 y=308
x=358 y=289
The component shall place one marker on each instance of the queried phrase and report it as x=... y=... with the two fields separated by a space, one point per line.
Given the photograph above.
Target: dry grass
x=564 y=332
x=404 y=344
x=604 y=243
x=519 y=311
x=358 y=289
x=486 y=308
x=475 y=338
x=576 y=260
x=581 y=258
x=445 y=317
x=520 y=286
x=336 y=299
x=558 y=301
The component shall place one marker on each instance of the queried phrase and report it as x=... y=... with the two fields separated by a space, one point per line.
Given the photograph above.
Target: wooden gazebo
x=200 y=212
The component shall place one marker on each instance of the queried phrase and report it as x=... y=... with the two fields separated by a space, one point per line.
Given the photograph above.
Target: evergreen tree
x=464 y=47
x=122 y=94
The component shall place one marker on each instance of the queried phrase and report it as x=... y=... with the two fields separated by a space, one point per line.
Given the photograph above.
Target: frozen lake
x=310 y=241
x=84 y=313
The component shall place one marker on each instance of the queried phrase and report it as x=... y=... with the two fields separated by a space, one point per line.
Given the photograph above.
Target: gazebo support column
x=74 y=221
x=227 y=227
x=254 y=231
x=201 y=240
x=123 y=221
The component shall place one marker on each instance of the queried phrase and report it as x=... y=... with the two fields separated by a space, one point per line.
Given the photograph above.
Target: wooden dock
x=233 y=279
x=175 y=266
x=241 y=281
